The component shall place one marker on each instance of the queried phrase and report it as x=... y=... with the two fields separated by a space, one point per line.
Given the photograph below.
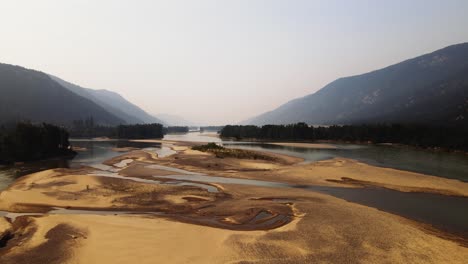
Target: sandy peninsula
x=134 y=213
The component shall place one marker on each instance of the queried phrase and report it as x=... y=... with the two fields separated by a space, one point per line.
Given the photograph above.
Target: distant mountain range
x=430 y=89
x=38 y=97
x=111 y=102
x=174 y=120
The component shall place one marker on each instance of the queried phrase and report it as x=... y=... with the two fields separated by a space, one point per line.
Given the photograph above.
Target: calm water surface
x=437 y=163
x=94 y=153
x=442 y=164
x=446 y=213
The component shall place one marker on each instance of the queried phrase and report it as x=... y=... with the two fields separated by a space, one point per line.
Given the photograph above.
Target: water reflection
x=443 y=164
x=91 y=153
x=437 y=163
x=447 y=213
x=96 y=152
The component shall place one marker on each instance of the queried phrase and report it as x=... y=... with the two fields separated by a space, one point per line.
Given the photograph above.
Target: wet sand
x=334 y=172
x=304 y=145
x=176 y=223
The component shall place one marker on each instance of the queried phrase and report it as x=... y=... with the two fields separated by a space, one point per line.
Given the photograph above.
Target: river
x=443 y=212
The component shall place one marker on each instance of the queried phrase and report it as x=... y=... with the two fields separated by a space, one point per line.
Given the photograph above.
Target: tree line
x=176 y=129
x=88 y=129
x=211 y=128
x=139 y=131
x=448 y=137
x=27 y=142
x=24 y=141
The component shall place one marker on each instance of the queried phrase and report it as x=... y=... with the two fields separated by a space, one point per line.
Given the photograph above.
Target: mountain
x=34 y=96
x=174 y=120
x=431 y=89
x=112 y=102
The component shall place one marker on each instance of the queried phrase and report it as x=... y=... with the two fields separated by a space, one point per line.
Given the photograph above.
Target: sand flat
x=337 y=169
x=235 y=224
x=329 y=172
x=328 y=229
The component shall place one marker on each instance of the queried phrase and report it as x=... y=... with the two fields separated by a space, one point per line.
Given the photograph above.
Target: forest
x=88 y=129
x=211 y=128
x=176 y=129
x=27 y=142
x=447 y=137
x=140 y=131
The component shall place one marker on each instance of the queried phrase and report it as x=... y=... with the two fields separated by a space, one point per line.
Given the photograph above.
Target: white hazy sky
x=220 y=61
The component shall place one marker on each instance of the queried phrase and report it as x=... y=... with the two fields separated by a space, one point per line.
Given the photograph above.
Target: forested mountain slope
x=32 y=95
x=432 y=88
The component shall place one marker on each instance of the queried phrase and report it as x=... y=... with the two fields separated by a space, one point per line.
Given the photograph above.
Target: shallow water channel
x=91 y=153
x=447 y=213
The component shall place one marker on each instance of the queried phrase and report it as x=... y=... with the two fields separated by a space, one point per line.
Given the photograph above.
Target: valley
x=234 y=132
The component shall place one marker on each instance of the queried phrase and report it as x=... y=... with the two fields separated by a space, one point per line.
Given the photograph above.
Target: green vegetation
x=140 y=131
x=208 y=147
x=27 y=142
x=222 y=152
x=176 y=129
x=211 y=128
x=454 y=138
x=88 y=129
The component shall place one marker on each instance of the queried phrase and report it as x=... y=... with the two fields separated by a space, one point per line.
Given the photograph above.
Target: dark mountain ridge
x=432 y=88
x=112 y=102
x=32 y=95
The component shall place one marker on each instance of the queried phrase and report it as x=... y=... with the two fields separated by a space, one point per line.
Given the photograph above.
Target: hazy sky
x=218 y=61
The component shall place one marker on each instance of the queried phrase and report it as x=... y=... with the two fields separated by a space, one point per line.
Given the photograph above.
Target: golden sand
x=203 y=227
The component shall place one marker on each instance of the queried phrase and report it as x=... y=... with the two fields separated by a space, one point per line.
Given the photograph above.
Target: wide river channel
x=446 y=213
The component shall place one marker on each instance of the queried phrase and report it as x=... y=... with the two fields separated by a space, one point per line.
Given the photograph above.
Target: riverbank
x=333 y=172
x=332 y=144
x=304 y=145
x=166 y=219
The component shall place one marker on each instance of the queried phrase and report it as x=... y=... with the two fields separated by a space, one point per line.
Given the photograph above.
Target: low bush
x=222 y=152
